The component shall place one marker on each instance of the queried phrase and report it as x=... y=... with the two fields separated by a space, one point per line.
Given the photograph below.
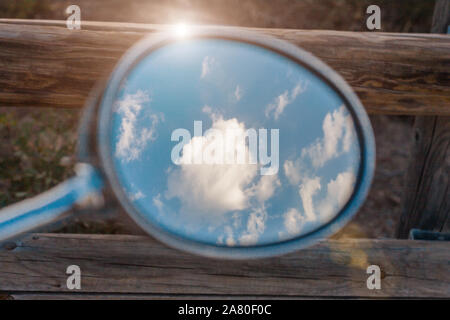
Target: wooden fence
x=42 y=64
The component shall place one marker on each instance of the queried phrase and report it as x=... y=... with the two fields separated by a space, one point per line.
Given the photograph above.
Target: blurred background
x=37 y=146
x=348 y=15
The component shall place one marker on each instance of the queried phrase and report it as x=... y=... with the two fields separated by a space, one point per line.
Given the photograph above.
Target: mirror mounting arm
x=53 y=205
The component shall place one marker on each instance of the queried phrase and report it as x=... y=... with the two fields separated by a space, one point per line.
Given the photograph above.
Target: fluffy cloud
x=293 y=171
x=158 y=202
x=307 y=190
x=208 y=187
x=218 y=188
x=211 y=190
x=238 y=93
x=337 y=138
x=256 y=225
x=136 y=196
x=265 y=188
x=339 y=191
x=318 y=211
x=229 y=239
x=132 y=139
x=293 y=222
x=277 y=107
x=207 y=65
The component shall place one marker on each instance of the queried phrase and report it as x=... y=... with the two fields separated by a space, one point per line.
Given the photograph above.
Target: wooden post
x=426 y=202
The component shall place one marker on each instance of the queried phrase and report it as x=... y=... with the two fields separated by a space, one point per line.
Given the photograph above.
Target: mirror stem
x=52 y=205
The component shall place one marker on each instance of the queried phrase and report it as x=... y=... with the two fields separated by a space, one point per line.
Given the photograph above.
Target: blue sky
x=229 y=84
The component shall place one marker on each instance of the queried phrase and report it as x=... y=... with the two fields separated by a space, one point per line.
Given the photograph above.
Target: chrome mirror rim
x=294 y=53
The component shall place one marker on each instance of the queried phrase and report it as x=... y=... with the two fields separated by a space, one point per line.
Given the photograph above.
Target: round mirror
x=229 y=147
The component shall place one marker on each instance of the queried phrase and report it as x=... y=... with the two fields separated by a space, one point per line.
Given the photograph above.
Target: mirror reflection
x=231 y=144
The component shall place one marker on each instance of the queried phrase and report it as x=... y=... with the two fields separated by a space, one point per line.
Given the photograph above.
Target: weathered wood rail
x=43 y=64
x=138 y=267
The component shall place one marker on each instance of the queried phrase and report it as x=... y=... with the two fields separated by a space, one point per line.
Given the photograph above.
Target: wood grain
x=127 y=265
x=145 y=296
x=426 y=201
x=43 y=64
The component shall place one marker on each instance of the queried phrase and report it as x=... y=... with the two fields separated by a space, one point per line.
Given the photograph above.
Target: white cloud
x=338 y=137
x=238 y=93
x=136 y=196
x=211 y=190
x=265 y=188
x=218 y=188
x=132 y=140
x=207 y=65
x=293 y=222
x=338 y=132
x=339 y=191
x=207 y=109
x=306 y=191
x=299 y=88
x=293 y=171
x=157 y=202
x=236 y=220
x=256 y=225
x=281 y=102
x=348 y=139
x=342 y=187
x=319 y=211
x=229 y=240
x=277 y=107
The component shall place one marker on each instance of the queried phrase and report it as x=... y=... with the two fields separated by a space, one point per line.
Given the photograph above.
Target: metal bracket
x=417 y=234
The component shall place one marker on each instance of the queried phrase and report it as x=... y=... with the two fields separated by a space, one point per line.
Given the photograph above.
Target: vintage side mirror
x=220 y=143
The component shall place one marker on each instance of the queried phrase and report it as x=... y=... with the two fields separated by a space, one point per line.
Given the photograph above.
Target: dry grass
x=37 y=150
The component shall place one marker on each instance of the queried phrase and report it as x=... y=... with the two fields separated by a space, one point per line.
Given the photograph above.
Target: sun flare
x=181 y=29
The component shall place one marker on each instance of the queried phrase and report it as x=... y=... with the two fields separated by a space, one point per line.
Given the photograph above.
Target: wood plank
x=123 y=296
x=139 y=265
x=43 y=64
x=426 y=201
